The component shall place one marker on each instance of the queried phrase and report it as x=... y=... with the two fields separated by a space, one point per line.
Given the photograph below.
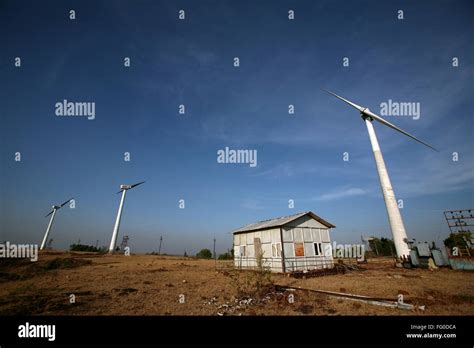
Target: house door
x=258 y=248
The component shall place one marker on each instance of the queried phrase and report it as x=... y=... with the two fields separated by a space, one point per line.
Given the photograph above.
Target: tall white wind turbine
x=394 y=217
x=123 y=189
x=53 y=212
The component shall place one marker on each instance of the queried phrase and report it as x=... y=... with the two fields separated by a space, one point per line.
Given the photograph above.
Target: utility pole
x=215 y=256
x=159 y=249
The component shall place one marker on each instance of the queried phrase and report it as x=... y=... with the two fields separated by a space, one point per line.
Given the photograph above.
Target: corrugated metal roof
x=280 y=221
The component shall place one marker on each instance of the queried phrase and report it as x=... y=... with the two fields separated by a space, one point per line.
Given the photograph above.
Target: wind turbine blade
x=354 y=105
x=137 y=184
x=388 y=124
x=62 y=205
x=119 y=191
x=52 y=211
x=369 y=113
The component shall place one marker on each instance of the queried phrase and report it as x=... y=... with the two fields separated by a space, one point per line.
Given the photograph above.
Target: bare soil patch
x=165 y=285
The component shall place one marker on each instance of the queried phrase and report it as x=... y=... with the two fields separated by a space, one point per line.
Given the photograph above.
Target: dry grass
x=152 y=285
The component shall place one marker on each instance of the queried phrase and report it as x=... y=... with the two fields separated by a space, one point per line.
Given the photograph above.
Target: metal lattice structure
x=124 y=243
x=460 y=220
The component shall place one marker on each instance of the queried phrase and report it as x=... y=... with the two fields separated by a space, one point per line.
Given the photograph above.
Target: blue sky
x=190 y=62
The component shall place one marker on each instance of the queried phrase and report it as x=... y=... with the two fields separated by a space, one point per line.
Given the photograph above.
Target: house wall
x=306 y=221
x=304 y=239
x=299 y=238
x=268 y=238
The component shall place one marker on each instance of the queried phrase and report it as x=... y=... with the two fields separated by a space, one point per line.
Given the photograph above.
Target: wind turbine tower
x=123 y=190
x=394 y=216
x=53 y=215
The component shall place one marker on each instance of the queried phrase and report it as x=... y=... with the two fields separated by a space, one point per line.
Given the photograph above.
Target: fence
x=292 y=264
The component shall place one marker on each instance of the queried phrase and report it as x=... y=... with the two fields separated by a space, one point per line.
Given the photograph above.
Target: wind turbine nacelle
x=366 y=113
x=125 y=187
x=55 y=207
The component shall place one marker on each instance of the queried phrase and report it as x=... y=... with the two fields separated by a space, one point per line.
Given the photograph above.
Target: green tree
x=457 y=239
x=204 y=254
x=384 y=246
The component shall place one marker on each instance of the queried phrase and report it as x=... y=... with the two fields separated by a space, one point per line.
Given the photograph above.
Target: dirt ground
x=166 y=285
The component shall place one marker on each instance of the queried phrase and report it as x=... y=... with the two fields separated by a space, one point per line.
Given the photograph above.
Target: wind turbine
x=123 y=189
x=394 y=217
x=53 y=212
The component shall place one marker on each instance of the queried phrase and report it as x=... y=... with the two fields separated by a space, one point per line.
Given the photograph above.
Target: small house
x=299 y=242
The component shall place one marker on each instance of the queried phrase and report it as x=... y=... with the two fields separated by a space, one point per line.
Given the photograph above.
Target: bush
x=204 y=254
x=226 y=256
x=82 y=247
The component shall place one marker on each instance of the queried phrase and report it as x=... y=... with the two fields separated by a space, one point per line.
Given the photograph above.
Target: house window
x=299 y=249
x=276 y=249
x=318 y=249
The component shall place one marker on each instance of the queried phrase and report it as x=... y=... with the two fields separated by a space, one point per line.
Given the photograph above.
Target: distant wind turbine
x=55 y=209
x=123 y=189
x=394 y=217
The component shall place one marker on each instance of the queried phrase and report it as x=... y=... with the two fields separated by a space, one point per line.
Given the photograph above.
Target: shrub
x=253 y=283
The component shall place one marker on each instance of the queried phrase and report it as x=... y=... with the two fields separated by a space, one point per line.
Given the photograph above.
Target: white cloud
x=252 y=205
x=341 y=193
x=435 y=177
